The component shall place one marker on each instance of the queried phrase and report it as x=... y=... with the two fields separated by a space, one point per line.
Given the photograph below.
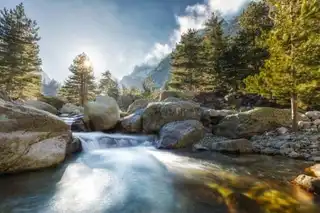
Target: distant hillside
x=49 y=86
x=161 y=71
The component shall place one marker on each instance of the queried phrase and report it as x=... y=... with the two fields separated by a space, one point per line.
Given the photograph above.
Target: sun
x=87 y=63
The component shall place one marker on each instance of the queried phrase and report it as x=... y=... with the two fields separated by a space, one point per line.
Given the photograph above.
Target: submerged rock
x=103 y=114
x=42 y=106
x=253 y=122
x=30 y=138
x=180 y=134
x=158 y=114
x=240 y=203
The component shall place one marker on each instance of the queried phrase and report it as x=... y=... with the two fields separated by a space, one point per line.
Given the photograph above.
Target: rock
x=313 y=115
x=133 y=123
x=4 y=95
x=294 y=154
x=103 y=114
x=30 y=138
x=172 y=99
x=308 y=183
x=74 y=146
x=233 y=146
x=240 y=203
x=253 y=122
x=282 y=130
x=124 y=101
x=42 y=106
x=200 y=147
x=185 y=95
x=316 y=122
x=138 y=104
x=158 y=114
x=180 y=134
x=314 y=170
x=71 y=109
x=304 y=124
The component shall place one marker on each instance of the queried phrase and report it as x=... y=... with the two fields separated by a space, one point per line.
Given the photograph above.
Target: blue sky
x=116 y=34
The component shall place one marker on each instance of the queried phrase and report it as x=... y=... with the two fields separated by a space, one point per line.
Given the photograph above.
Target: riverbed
x=142 y=179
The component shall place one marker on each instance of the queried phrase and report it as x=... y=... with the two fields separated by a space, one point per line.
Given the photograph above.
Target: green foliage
x=80 y=87
x=214 y=46
x=246 y=54
x=108 y=86
x=186 y=62
x=20 y=71
x=293 y=68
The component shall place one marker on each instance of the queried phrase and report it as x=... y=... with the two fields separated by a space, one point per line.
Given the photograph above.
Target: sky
x=116 y=34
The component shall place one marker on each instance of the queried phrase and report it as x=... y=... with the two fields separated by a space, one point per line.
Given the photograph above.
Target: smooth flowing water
x=137 y=178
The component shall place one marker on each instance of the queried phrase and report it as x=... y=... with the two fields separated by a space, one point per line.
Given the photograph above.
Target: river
x=124 y=178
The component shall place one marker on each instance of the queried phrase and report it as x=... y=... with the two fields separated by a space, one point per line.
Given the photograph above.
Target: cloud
x=194 y=17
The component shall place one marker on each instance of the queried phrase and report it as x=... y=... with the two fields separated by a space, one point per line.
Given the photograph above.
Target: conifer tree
x=245 y=53
x=294 y=46
x=80 y=86
x=186 y=62
x=214 y=46
x=20 y=71
x=109 y=86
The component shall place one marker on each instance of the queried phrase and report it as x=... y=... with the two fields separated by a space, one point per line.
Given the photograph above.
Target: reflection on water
x=145 y=180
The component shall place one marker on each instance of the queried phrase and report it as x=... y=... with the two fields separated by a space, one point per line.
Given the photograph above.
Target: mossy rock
x=253 y=122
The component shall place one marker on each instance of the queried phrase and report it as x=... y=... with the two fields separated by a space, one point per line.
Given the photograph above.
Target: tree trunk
x=294 y=112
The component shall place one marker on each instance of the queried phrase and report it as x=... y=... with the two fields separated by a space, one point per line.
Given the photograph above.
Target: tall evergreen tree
x=245 y=53
x=109 y=86
x=294 y=45
x=20 y=71
x=80 y=87
x=186 y=62
x=214 y=47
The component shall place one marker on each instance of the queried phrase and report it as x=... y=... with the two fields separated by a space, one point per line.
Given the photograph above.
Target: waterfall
x=100 y=140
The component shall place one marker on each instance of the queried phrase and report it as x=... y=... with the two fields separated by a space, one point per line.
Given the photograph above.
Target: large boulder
x=102 y=114
x=233 y=146
x=42 y=106
x=256 y=121
x=30 y=138
x=133 y=123
x=71 y=109
x=137 y=104
x=158 y=114
x=180 y=134
x=185 y=95
x=124 y=101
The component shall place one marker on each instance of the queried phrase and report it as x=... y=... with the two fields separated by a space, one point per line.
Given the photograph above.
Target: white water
x=100 y=140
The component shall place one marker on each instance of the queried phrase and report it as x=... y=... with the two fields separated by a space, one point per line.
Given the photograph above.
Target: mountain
x=49 y=87
x=161 y=71
x=136 y=78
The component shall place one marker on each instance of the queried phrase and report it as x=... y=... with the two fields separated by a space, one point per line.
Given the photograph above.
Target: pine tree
x=109 y=86
x=214 y=47
x=294 y=45
x=186 y=62
x=245 y=53
x=80 y=86
x=20 y=71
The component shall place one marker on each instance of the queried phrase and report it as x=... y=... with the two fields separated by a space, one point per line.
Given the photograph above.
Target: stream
x=125 y=174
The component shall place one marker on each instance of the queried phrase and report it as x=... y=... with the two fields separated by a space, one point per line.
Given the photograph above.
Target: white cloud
x=194 y=17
